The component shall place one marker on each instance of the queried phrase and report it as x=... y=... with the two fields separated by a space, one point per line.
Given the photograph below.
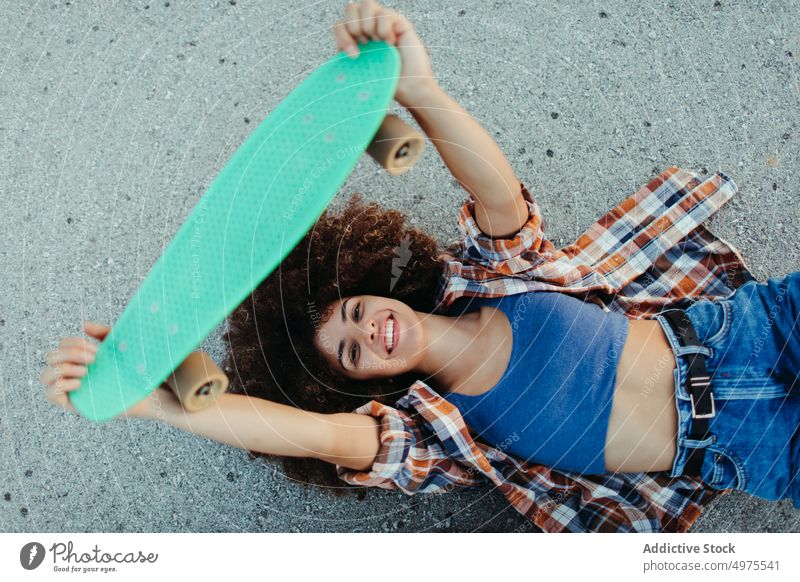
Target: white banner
x=406 y=557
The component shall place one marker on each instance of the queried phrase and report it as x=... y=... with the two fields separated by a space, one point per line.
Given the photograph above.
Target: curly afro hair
x=270 y=335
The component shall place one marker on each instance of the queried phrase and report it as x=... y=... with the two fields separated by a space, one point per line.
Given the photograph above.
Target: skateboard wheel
x=197 y=382
x=396 y=146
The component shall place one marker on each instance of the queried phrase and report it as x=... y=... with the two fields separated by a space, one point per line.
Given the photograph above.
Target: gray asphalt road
x=115 y=117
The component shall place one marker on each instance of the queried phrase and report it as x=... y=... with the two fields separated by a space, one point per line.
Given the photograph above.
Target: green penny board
x=265 y=199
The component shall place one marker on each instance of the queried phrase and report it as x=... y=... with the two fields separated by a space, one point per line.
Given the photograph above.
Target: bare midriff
x=642 y=428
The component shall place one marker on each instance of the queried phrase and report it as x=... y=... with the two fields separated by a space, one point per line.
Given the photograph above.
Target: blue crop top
x=553 y=402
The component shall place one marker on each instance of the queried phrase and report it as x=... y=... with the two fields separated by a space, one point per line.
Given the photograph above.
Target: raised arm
x=255 y=424
x=472 y=156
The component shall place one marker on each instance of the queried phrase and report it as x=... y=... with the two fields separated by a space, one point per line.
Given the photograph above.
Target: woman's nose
x=372 y=330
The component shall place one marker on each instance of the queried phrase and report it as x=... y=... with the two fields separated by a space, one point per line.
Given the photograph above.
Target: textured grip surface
x=257 y=209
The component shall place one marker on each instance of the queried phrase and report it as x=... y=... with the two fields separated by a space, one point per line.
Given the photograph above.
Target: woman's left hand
x=369 y=20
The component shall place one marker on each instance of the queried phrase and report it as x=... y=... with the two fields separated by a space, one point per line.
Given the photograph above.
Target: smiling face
x=367 y=336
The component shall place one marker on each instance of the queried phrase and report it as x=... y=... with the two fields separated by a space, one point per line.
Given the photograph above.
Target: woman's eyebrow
x=341 y=343
x=339 y=355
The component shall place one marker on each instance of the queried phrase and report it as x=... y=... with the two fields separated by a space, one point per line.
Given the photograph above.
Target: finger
x=96 y=330
x=70 y=355
x=69 y=371
x=47 y=376
x=61 y=387
x=78 y=343
x=369 y=12
x=401 y=24
x=352 y=21
x=344 y=41
x=385 y=26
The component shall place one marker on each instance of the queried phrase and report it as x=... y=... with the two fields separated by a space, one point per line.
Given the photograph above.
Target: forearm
x=470 y=153
x=267 y=427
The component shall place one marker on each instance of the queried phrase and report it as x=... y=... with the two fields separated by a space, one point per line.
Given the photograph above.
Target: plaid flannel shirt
x=648 y=252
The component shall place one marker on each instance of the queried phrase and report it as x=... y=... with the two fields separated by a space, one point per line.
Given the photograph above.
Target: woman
x=356 y=312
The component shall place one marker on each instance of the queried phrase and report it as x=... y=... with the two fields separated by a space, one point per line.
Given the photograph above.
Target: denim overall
x=752 y=342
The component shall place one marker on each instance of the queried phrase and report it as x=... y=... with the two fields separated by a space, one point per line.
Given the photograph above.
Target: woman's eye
x=353 y=355
x=357 y=312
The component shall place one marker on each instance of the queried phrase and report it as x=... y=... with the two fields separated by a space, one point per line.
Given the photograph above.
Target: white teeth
x=389 y=331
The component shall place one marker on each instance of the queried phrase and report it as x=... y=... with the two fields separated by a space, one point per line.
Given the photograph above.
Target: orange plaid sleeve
x=412 y=457
x=508 y=255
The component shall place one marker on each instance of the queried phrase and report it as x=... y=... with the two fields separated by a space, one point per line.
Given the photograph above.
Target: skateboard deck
x=265 y=199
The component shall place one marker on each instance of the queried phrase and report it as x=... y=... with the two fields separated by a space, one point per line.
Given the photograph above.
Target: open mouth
x=390 y=334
